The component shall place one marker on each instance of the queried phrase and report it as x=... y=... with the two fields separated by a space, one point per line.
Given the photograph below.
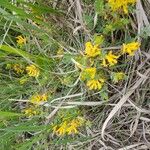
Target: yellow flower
x=62 y=129
x=88 y=73
x=18 y=68
x=130 y=48
x=30 y=112
x=55 y=128
x=44 y=97
x=20 y=40
x=91 y=51
x=72 y=129
x=110 y=59
x=95 y=84
x=38 y=98
x=80 y=121
x=120 y=4
x=32 y=71
x=74 y=125
x=68 y=126
x=117 y=76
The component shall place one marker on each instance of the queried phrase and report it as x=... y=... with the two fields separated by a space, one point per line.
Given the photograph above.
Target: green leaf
x=6 y=114
x=24 y=128
x=67 y=58
x=39 y=60
x=20 y=16
x=9 y=16
x=145 y=33
x=99 y=6
x=28 y=144
x=117 y=76
x=42 y=9
x=89 y=20
x=98 y=39
x=7 y=139
x=2 y=54
x=104 y=93
x=12 y=50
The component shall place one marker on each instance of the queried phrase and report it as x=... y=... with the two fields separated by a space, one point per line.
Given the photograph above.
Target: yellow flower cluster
x=32 y=71
x=18 y=68
x=20 y=40
x=91 y=50
x=110 y=59
x=31 y=111
x=68 y=127
x=88 y=73
x=39 y=98
x=95 y=84
x=120 y=4
x=35 y=100
x=130 y=48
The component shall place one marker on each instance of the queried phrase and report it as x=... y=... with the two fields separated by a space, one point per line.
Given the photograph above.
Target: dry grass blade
x=131 y=146
x=141 y=16
x=122 y=101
